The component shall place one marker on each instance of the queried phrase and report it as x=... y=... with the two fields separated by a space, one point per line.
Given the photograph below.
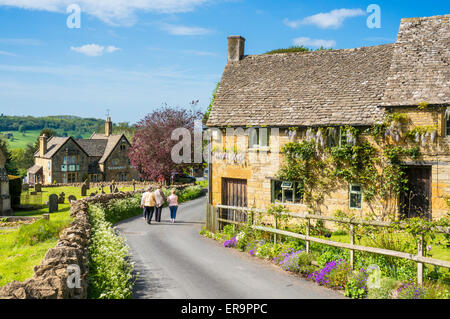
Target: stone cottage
x=370 y=125
x=5 y=200
x=102 y=157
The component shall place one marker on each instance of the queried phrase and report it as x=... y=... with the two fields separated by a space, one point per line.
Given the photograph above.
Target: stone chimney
x=236 y=45
x=108 y=126
x=42 y=145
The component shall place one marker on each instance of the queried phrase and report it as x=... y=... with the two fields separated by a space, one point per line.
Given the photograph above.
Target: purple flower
x=230 y=243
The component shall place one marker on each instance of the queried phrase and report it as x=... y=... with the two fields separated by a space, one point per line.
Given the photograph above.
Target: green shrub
x=189 y=193
x=120 y=209
x=39 y=231
x=356 y=286
x=387 y=286
x=436 y=291
x=338 y=277
x=329 y=253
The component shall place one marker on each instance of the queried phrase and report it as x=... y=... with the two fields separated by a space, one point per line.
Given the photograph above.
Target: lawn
x=75 y=191
x=17 y=261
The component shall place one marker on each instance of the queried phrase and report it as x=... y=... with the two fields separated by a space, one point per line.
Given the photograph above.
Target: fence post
x=234 y=219
x=419 y=264
x=308 y=225
x=215 y=214
x=352 y=242
x=276 y=227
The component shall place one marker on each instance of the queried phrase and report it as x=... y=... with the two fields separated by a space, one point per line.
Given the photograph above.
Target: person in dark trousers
x=148 y=204
x=173 y=205
x=159 y=202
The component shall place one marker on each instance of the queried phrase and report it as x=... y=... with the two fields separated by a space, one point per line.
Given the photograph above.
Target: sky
x=129 y=57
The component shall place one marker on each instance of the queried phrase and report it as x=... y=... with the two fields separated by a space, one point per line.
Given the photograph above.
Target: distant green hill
x=23 y=130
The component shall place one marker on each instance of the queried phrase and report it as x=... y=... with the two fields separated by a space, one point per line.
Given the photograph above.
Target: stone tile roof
x=420 y=68
x=34 y=169
x=112 y=142
x=53 y=145
x=304 y=89
x=93 y=147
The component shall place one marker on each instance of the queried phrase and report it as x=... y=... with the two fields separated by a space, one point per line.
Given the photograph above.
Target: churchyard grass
x=18 y=257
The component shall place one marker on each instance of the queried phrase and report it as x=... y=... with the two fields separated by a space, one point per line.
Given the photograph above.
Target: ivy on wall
x=325 y=161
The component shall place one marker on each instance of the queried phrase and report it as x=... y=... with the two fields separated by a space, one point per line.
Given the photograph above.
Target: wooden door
x=234 y=193
x=416 y=202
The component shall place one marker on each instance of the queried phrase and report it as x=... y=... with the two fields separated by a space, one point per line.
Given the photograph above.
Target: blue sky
x=133 y=56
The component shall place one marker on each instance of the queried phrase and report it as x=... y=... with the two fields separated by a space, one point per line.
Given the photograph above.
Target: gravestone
x=62 y=198
x=87 y=183
x=38 y=188
x=134 y=185
x=53 y=203
x=83 y=190
x=25 y=187
x=72 y=198
x=33 y=193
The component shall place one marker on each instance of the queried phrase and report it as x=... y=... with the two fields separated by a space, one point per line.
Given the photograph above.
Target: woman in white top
x=173 y=205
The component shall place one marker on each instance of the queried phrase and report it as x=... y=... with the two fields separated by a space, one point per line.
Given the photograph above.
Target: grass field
x=17 y=261
x=21 y=140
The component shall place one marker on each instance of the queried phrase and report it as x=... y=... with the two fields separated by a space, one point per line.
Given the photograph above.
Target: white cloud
x=110 y=11
x=7 y=53
x=333 y=19
x=317 y=43
x=94 y=49
x=184 y=30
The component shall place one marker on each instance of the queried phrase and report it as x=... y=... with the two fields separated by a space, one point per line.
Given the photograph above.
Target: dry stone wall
x=50 y=277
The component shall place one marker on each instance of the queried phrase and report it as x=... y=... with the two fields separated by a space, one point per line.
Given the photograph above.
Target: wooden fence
x=241 y=215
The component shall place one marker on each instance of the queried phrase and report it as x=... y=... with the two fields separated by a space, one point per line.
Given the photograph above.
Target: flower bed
x=332 y=272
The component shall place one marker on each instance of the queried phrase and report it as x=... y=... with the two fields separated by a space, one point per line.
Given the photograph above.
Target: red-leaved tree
x=151 y=147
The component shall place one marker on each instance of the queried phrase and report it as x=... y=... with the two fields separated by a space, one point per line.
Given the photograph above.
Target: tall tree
x=10 y=165
x=151 y=147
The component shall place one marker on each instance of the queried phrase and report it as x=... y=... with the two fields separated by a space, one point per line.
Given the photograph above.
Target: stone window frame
x=354 y=192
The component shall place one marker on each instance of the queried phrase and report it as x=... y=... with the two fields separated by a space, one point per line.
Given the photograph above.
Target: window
x=71 y=177
x=115 y=162
x=123 y=147
x=287 y=192
x=355 y=196
x=258 y=137
x=70 y=159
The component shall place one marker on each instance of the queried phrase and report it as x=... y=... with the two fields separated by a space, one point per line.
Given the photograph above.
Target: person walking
x=148 y=204
x=159 y=202
x=173 y=205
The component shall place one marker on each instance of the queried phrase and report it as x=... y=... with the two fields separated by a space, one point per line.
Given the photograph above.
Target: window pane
x=356 y=188
x=448 y=126
x=355 y=200
x=277 y=195
x=288 y=195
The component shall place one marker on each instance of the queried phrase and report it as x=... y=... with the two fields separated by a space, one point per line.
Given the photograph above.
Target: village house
x=101 y=158
x=370 y=125
x=5 y=199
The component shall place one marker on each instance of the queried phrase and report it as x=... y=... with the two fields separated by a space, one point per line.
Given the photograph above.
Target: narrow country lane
x=175 y=261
